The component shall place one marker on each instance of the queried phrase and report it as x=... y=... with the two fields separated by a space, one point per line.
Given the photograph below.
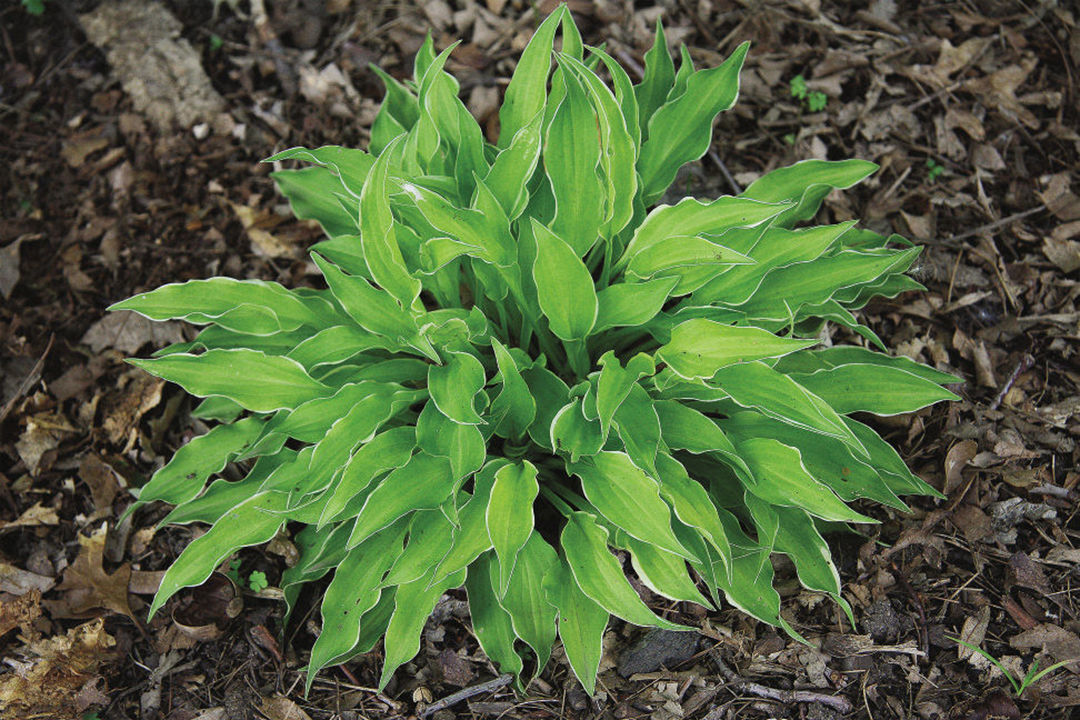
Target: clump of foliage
x=522 y=361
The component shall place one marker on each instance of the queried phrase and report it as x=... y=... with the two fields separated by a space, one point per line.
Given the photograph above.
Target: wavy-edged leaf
x=659 y=78
x=565 y=287
x=462 y=445
x=250 y=523
x=509 y=515
x=254 y=307
x=423 y=482
x=514 y=409
x=629 y=499
x=574 y=434
x=639 y=428
x=581 y=623
x=491 y=623
x=615 y=382
x=680 y=130
x=551 y=395
x=454 y=386
x=510 y=172
x=782 y=480
x=315 y=193
x=354 y=590
x=252 y=379
x=700 y=347
x=349 y=164
x=631 y=304
x=413 y=603
x=470 y=536
x=532 y=616
x=571 y=155
x=599 y=575
x=807 y=183
x=379 y=239
x=877 y=389
x=691 y=217
x=664 y=573
x=527 y=91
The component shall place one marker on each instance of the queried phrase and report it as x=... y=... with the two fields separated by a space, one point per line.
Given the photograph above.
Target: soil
x=971 y=110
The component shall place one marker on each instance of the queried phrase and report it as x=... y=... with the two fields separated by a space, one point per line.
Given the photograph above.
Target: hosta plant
x=527 y=356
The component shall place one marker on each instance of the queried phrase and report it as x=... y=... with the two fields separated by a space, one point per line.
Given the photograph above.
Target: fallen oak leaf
x=86 y=585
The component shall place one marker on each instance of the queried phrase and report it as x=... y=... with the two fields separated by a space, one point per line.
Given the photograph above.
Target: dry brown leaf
x=16 y=581
x=999 y=90
x=9 y=267
x=1061 y=644
x=39 y=441
x=974 y=632
x=956 y=459
x=86 y=585
x=78 y=147
x=125 y=407
x=282 y=708
x=49 y=683
x=959 y=118
x=1060 y=199
x=20 y=612
x=127 y=331
x=33 y=516
x=257 y=224
x=101 y=479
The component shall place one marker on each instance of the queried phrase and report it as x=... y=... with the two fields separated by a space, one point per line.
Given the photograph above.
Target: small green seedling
x=934 y=170
x=257 y=581
x=215 y=42
x=34 y=7
x=814 y=100
x=1019 y=686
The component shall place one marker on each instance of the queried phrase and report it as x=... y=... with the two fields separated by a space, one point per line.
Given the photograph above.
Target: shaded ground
x=969 y=108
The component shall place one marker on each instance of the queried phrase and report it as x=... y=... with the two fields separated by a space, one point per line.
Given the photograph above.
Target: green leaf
x=423 y=482
x=379 y=240
x=629 y=499
x=699 y=347
x=373 y=309
x=355 y=589
x=664 y=573
x=691 y=217
x=581 y=623
x=350 y=165
x=659 y=78
x=454 y=386
x=756 y=385
x=615 y=382
x=675 y=255
x=551 y=395
x=510 y=515
x=470 y=537
x=532 y=616
x=692 y=505
x=430 y=533
x=684 y=428
x=782 y=480
x=314 y=194
x=827 y=459
x=599 y=575
x=639 y=428
x=256 y=307
x=335 y=344
x=462 y=445
x=514 y=410
x=574 y=434
x=564 y=286
x=183 y=477
x=252 y=379
x=876 y=389
x=631 y=304
x=807 y=183
x=527 y=91
x=251 y=523
x=571 y=156
x=492 y=625
x=884 y=458
x=413 y=604
x=849 y=354
x=514 y=165
x=681 y=129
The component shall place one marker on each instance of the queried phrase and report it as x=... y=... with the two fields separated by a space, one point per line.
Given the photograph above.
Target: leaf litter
x=986 y=91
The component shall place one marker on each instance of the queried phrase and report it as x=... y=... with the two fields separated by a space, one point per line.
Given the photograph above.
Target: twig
x=924 y=633
x=837 y=702
x=723 y=169
x=1055 y=491
x=27 y=382
x=997 y=223
x=1025 y=364
x=489 y=686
